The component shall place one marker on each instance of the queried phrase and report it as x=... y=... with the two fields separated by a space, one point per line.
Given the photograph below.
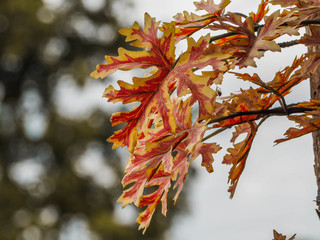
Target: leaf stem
x=214 y=133
x=262 y=120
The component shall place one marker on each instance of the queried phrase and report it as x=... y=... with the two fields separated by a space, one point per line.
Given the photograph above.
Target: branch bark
x=279 y=111
x=315 y=94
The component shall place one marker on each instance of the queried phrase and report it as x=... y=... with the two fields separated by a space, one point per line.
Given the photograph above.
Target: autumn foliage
x=179 y=110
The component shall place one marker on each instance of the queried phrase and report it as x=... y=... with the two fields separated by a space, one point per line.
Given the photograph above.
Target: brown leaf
x=279 y=236
x=312 y=38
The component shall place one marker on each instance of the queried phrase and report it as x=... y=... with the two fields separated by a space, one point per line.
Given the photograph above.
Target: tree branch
x=279 y=111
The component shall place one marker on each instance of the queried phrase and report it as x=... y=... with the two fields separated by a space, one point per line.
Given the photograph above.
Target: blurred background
x=59 y=178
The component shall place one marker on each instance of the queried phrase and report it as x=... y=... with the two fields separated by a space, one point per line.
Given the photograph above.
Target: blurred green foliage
x=58 y=177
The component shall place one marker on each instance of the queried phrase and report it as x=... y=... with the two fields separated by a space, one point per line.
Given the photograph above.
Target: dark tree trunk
x=315 y=94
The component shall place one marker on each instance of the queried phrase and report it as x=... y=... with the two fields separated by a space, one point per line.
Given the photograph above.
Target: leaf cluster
x=181 y=112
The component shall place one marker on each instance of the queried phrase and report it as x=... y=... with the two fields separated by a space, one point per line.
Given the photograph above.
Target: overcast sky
x=277 y=188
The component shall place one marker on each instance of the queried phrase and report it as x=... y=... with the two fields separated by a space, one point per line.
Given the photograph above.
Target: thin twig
x=262 y=120
x=288 y=44
x=257 y=27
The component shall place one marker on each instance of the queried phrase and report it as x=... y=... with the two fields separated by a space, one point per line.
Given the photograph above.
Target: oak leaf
x=264 y=41
x=239 y=153
x=152 y=92
x=206 y=150
x=161 y=158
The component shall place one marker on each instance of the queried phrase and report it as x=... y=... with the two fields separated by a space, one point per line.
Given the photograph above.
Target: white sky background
x=277 y=188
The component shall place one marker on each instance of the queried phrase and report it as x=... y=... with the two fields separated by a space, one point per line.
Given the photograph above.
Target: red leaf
x=206 y=150
x=152 y=91
x=152 y=163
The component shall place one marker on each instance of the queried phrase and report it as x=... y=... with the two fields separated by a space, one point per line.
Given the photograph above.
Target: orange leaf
x=262 y=11
x=308 y=123
x=238 y=154
x=247 y=100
